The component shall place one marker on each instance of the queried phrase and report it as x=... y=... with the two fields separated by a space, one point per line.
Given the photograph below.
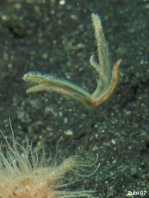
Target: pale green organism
x=107 y=75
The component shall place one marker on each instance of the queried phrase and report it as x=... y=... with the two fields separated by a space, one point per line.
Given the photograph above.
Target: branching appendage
x=107 y=75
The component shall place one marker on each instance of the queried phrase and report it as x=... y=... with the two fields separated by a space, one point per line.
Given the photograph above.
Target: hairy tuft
x=25 y=174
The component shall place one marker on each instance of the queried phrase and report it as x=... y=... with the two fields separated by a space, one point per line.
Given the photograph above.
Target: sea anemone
x=24 y=174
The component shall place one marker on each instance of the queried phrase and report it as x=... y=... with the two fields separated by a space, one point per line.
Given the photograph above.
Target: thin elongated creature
x=107 y=75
